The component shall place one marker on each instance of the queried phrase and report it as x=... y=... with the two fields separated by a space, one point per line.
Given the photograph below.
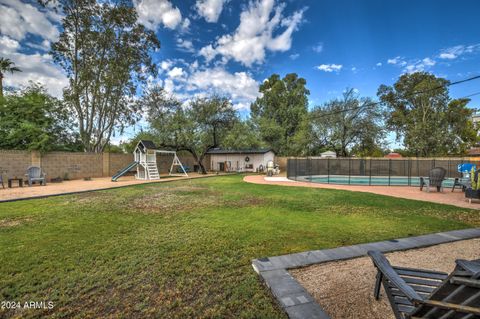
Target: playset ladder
x=152 y=170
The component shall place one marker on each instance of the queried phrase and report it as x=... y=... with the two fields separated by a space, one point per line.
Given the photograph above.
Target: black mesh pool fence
x=369 y=171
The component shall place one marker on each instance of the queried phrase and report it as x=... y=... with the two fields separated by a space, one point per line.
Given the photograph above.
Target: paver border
x=298 y=303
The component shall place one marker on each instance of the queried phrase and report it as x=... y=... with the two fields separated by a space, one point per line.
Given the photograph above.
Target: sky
x=229 y=47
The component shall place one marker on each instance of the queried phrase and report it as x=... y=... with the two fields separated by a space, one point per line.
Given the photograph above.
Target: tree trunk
x=199 y=161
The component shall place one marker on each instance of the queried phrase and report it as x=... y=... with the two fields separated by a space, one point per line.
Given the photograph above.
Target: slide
x=123 y=171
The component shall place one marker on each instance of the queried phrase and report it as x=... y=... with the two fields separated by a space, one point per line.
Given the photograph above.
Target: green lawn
x=183 y=249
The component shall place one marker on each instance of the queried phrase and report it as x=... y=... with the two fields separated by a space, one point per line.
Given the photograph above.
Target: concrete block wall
x=14 y=163
x=117 y=162
x=78 y=165
x=75 y=165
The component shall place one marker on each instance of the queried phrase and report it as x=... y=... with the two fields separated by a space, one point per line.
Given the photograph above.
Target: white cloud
x=417 y=65
x=192 y=80
x=18 y=19
x=428 y=62
x=397 y=61
x=457 y=51
x=175 y=72
x=379 y=64
x=354 y=69
x=38 y=68
x=241 y=106
x=210 y=9
x=8 y=45
x=318 y=48
x=185 y=45
x=255 y=34
x=239 y=86
x=165 y=65
x=330 y=67
x=448 y=56
x=152 y=13
x=294 y=56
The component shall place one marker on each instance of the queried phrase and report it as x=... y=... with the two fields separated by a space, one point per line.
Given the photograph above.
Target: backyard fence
x=74 y=165
x=391 y=171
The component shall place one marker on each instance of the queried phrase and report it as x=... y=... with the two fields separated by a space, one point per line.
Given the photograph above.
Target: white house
x=249 y=160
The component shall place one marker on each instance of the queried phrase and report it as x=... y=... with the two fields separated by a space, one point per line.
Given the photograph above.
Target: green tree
x=280 y=112
x=33 y=120
x=197 y=128
x=346 y=124
x=424 y=116
x=242 y=135
x=106 y=56
x=6 y=65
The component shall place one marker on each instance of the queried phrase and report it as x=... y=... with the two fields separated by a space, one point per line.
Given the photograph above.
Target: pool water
x=374 y=180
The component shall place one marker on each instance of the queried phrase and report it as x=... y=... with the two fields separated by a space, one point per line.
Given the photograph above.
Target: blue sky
x=230 y=47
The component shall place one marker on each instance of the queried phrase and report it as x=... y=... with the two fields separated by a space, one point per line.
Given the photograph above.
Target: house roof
x=148 y=144
x=240 y=151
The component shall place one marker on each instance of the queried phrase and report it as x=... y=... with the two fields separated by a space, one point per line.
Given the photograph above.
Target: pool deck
x=456 y=198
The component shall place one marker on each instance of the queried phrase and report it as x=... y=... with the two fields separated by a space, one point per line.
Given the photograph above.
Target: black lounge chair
x=418 y=293
x=435 y=179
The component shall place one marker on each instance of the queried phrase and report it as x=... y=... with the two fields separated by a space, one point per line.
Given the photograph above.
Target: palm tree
x=6 y=65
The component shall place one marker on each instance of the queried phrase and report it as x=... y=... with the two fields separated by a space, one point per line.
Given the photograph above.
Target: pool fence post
x=389 y=170
x=328 y=170
x=370 y=173
x=309 y=167
x=409 y=169
x=296 y=168
x=349 y=169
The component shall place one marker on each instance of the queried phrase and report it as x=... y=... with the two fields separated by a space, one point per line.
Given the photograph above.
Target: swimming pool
x=373 y=180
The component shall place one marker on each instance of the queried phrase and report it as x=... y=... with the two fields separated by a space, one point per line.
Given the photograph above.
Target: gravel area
x=344 y=289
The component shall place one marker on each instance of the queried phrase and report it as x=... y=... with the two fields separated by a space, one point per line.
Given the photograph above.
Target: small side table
x=18 y=180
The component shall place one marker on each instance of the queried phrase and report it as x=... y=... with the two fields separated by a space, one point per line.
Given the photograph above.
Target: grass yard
x=183 y=249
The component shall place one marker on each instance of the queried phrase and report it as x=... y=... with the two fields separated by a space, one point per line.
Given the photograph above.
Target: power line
x=411 y=94
x=470 y=95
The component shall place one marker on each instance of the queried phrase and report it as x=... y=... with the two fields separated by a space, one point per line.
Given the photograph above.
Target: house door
x=221 y=166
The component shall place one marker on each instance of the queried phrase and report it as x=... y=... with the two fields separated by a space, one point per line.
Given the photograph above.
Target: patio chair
x=35 y=174
x=434 y=179
x=464 y=182
x=419 y=293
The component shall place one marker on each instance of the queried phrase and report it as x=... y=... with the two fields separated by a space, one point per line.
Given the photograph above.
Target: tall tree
x=347 y=123
x=106 y=55
x=242 y=135
x=280 y=111
x=424 y=116
x=197 y=128
x=31 y=119
x=6 y=65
